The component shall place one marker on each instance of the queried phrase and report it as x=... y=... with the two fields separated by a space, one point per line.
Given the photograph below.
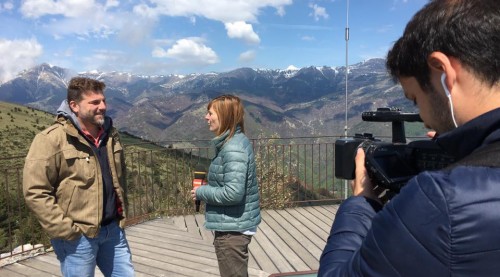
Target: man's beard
x=94 y=119
x=99 y=121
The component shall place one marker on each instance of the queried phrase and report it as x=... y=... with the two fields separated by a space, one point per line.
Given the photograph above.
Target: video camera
x=389 y=164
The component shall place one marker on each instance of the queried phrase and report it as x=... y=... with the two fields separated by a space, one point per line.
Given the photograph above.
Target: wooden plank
x=161 y=253
x=261 y=257
x=192 y=226
x=138 y=273
x=5 y=272
x=292 y=242
x=27 y=271
x=327 y=220
x=304 y=221
x=49 y=258
x=199 y=245
x=301 y=233
x=328 y=211
x=252 y=263
x=54 y=270
x=205 y=234
x=193 y=248
x=272 y=252
x=315 y=218
x=157 y=264
x=179 y=222
x=165 y=222
x=162 y=226
x=294 y=261
x=168 y=233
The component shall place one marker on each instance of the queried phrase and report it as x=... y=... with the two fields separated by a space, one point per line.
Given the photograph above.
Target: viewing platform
x=288 y=240
x=299 y=196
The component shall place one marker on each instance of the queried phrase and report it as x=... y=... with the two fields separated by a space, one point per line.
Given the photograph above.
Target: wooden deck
x=289 y=240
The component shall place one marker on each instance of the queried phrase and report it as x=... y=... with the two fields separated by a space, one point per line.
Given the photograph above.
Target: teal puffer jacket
x=232 y=192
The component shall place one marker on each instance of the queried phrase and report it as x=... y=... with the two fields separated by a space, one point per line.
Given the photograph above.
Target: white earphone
x=443 y=78
x=448 y=95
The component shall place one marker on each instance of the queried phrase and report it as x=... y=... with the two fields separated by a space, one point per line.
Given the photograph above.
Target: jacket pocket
x=78 y=202
x=65 y=196
x=80 y=166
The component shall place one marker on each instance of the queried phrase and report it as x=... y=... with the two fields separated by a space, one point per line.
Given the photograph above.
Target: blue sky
x=154 y=37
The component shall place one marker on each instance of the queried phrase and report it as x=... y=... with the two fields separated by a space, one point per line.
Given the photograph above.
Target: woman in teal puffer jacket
x=232 y=194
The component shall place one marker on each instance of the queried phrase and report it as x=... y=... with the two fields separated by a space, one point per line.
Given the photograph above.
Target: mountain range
x=309 y=101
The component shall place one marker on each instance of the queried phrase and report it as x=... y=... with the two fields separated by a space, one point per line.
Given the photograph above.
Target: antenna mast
x=346 y=63
x=346 y=75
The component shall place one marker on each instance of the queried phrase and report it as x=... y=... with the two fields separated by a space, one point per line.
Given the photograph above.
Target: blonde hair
x=230 y=112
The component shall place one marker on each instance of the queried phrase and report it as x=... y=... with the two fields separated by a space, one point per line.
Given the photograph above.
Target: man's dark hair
x=80 y=85
x=468 y=30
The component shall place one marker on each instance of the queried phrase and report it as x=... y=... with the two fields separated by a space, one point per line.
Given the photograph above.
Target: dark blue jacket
x=442 y=223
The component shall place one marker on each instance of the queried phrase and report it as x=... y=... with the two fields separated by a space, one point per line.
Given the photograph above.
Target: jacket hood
x=480 y=131
x=65 y=111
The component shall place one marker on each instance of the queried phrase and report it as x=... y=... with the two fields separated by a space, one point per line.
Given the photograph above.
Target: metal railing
x=291 y=172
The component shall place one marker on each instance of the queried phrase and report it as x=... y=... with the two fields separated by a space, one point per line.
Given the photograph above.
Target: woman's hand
x=193 y=193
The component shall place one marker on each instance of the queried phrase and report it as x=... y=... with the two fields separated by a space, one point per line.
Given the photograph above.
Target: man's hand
x=361 y=185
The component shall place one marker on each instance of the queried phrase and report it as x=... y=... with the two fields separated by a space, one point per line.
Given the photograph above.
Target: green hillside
x=18 y=127
x=20 y=124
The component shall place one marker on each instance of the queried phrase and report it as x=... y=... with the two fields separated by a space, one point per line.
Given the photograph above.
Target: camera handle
x=395 y=116
x=398 y=132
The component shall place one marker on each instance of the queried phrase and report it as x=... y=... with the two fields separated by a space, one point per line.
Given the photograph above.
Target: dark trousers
x=231 y=249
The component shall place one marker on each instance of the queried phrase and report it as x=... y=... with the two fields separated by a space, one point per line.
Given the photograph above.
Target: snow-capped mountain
x=289 y=102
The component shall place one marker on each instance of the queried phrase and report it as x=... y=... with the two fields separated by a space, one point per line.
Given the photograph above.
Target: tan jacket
x=62 y=181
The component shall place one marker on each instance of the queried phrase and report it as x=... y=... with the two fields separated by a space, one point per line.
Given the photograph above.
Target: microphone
x=199 y=180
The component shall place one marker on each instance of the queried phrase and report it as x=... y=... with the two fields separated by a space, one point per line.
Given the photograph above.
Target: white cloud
x=307 y=38
x=243 y=31
x=84 y=18
x=318 y=12
x=134 y=23
x=112 y=3
x=135 y=32
x=159 y=52
x=17 y=55
x=190 y=51
x=8 y=6
x=247 y=56
x=67 y=8
x=218 y=10
x=280 y=11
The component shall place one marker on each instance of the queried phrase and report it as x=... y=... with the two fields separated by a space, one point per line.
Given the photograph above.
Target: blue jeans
x=109 y=251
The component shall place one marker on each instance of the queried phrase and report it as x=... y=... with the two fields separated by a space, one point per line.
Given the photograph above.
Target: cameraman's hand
x=431 y=134
x=361 y=185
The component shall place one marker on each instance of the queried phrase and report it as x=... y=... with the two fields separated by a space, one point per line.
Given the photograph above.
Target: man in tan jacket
x=74 y=181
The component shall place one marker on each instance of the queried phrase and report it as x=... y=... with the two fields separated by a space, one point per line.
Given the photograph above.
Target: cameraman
x=447 y=222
